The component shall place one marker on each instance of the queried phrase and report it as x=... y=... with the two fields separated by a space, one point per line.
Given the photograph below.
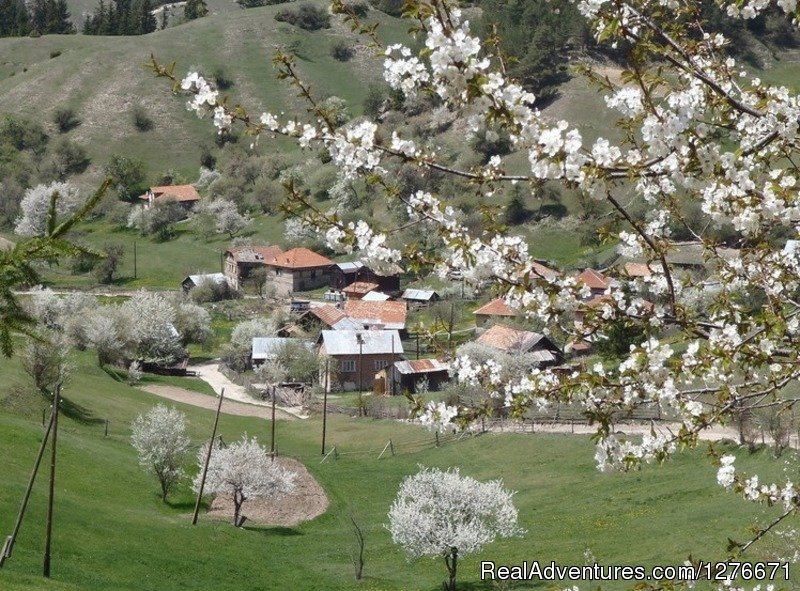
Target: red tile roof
x=506 y=338
x=177 y=192
x=299 y=258
x=497 y=307
x=328 y=314
x=593 y=279
x=360 y=288
x=389 y=313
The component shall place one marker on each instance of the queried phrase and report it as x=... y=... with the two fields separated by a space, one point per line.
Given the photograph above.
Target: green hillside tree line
x=41 y=16
x=121 y=17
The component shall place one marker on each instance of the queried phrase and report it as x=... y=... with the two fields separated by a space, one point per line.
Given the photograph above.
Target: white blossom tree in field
x=243 y=470
x=35 y=207
x=439 y=513
x=703 y=145
x=225 y=216
x=159 y=436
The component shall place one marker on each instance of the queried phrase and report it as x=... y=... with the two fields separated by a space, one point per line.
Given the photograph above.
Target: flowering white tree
x=35 y=207
x=697 y=128
x=443 y=514
x=244 y=471
x=160 y=438
x=153 y=327
x=226 y=216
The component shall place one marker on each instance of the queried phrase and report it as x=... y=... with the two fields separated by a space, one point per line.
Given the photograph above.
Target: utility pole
x=135 y=270
x=48 y=536
x=10 y=540
x=208 y=459
x=325 y=402
x=272 y=447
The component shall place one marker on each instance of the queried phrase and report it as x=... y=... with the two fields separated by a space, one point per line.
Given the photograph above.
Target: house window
x=380 y=364
x=348 y=366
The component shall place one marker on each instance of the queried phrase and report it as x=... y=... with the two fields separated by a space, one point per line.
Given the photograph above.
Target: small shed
x=420 y=297
x=193 y=281
x=376 y=296
x=405 y=376
x=358 y=289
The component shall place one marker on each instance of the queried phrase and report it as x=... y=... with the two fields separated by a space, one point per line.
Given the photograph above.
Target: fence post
x=572 y=425
x=437 y=439
x=105 y=434
x=391 y=447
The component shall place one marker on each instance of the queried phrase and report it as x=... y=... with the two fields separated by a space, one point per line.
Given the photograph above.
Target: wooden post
x=6 y=553
x=272 y=446
x=437 y=439
x=208 y=459
x=134 y=261
x=106 y=431
x=44 y=414
x=325 y=402
x=48 y=535
x=391 y=447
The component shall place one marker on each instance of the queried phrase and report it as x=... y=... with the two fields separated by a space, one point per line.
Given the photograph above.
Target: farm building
x=358 y=355
x=344 y=274
x=193 y=281
x=376 y=296
x=595 y=281
x=544 y=271
x=420 y=297
x=241 y=261
x=404 y=376
x=186 y=195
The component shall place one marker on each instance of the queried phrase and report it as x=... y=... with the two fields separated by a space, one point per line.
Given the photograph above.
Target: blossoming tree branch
x=694 y=125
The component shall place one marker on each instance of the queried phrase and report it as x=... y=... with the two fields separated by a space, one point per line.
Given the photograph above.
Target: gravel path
x=210 y=374
x=230 y=407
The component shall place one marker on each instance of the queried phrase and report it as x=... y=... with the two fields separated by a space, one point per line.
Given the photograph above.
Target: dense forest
x=42 y=17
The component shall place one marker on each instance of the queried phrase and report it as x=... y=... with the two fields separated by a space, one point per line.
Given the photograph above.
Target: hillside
x=103 y=78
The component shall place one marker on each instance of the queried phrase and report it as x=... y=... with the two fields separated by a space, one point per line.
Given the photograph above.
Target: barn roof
x=421 y=366
x=376 y=296
x=177 y=192
x=360 y=287
x=392 y=315
x=328 y=314
x=366 y=342
x=215 y=277
x=419 y=295
x=593 y=279
x=506 y=338
x=253 y=254
x=268 y=347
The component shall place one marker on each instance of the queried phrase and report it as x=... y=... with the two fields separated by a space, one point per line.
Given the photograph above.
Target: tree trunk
x=238 y=499
x=451 y=560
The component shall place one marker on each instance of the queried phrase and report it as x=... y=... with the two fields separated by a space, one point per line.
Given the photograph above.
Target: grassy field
x=112 y=532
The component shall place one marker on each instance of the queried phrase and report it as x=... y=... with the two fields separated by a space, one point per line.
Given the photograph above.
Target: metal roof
x=350 y=267
x=419 y=366
x=510 y=339
x=376 y=296
x=421 y=295
x=373 y=342
x=215 y=277
x=268 y=347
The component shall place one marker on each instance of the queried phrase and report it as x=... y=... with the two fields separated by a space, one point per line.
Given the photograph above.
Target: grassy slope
x=102 y=78
x=112 y=532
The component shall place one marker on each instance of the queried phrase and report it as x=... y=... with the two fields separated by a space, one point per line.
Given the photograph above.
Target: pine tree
x=195 y=9
x=147 y=21
x=14 y=18
x=164 y=20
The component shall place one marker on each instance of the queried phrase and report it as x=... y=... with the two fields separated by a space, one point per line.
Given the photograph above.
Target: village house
x=192 y=281
x=358 y=355
x=515 y=341
x=595 y=281
x=494 y=311
x=298 y=269
x=241 y=261
x=406 y=376
x=376 y=296
x=186 y=195
x=544 y=271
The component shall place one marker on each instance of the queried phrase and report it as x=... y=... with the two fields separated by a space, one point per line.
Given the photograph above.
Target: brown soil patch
x=307 y=501
x=230 y=407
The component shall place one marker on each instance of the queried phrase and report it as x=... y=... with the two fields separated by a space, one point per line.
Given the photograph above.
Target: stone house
x=298 y=269
x=241 y=261
x=186 y=195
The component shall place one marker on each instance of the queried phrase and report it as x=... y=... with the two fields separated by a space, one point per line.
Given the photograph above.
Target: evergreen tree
x=14 y=18
x=195 y=9
x=164 y=19
x=147 y=20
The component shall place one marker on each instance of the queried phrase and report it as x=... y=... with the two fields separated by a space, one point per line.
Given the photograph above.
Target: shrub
x=360 y=9
x=222 y=79
x=307 y=16
x=107 y=267
x=65 y=119
x=55 y=53
x=392 y=7
x=211 y=291
x=141 y=119
x=341 y=51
